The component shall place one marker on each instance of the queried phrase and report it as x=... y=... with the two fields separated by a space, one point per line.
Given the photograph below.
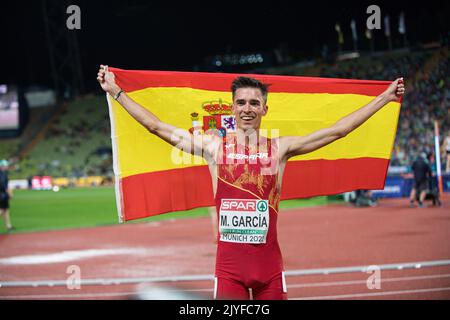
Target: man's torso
x=278 y=163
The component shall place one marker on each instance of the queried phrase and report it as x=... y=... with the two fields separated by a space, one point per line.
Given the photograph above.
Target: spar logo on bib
x=262 y=206
x=239 y=205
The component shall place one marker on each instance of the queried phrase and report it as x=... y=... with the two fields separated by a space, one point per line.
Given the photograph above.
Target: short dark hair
x=246 y=82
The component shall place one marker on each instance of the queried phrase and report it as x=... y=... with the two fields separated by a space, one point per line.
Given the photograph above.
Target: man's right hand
x=107 y=80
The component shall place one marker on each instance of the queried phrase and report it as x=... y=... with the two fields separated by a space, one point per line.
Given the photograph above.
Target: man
x=422 y=173
x=5 y=194
x=247 y=191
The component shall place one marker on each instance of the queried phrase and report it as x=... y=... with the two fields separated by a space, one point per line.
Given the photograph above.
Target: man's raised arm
x=291 y=146
x=177 y=137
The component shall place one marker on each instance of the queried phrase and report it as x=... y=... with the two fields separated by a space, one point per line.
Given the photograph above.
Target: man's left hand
x=395 y=90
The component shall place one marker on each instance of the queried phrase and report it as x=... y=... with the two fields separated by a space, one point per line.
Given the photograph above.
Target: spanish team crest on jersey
x=218 y=120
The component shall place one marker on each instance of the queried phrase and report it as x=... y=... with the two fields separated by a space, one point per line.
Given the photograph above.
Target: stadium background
x=63 y=130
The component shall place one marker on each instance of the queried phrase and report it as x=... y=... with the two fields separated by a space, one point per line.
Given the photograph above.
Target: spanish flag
x=150 y=182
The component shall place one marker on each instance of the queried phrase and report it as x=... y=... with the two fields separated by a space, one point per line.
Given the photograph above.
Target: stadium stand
x=12 y=148
x=61 y=149
x=427 y=98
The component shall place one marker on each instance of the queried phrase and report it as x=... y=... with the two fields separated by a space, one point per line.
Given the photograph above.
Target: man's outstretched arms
x=291 y=146
x=180 y=138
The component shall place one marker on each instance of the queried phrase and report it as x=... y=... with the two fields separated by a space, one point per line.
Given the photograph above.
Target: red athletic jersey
x=248 y=173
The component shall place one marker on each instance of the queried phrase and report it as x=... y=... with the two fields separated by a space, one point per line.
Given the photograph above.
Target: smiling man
x=247 y=170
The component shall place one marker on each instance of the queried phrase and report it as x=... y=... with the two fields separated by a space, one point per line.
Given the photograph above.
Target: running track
x=111 y=258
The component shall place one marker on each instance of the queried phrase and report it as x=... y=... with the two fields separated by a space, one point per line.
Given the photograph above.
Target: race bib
x=244 y=220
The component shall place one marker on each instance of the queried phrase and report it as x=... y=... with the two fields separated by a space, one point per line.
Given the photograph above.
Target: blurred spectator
x=422 y=173
x=447 y=152
x=5 y=194
x=364 y=198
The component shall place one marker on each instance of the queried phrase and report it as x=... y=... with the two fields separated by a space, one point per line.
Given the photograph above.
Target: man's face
x=248 y=108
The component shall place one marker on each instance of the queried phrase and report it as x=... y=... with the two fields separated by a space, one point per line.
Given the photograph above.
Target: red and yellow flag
x=149 y=182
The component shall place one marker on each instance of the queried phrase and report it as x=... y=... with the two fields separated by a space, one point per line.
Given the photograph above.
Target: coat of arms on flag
x=218 y=120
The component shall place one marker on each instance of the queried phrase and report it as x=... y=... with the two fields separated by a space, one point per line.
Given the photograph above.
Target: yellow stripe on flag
x=291 y=113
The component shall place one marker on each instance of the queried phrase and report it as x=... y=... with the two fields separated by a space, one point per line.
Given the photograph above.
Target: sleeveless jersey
x=247 y=199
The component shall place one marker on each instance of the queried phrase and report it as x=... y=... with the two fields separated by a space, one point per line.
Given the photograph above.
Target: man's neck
x=248 y=136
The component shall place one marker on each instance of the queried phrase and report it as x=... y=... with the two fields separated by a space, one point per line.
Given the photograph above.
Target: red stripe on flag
x=154 y=193
x=326 y=177
x=132 y=80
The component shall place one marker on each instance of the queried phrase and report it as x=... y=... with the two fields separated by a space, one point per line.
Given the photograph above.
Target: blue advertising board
x=400 y=187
